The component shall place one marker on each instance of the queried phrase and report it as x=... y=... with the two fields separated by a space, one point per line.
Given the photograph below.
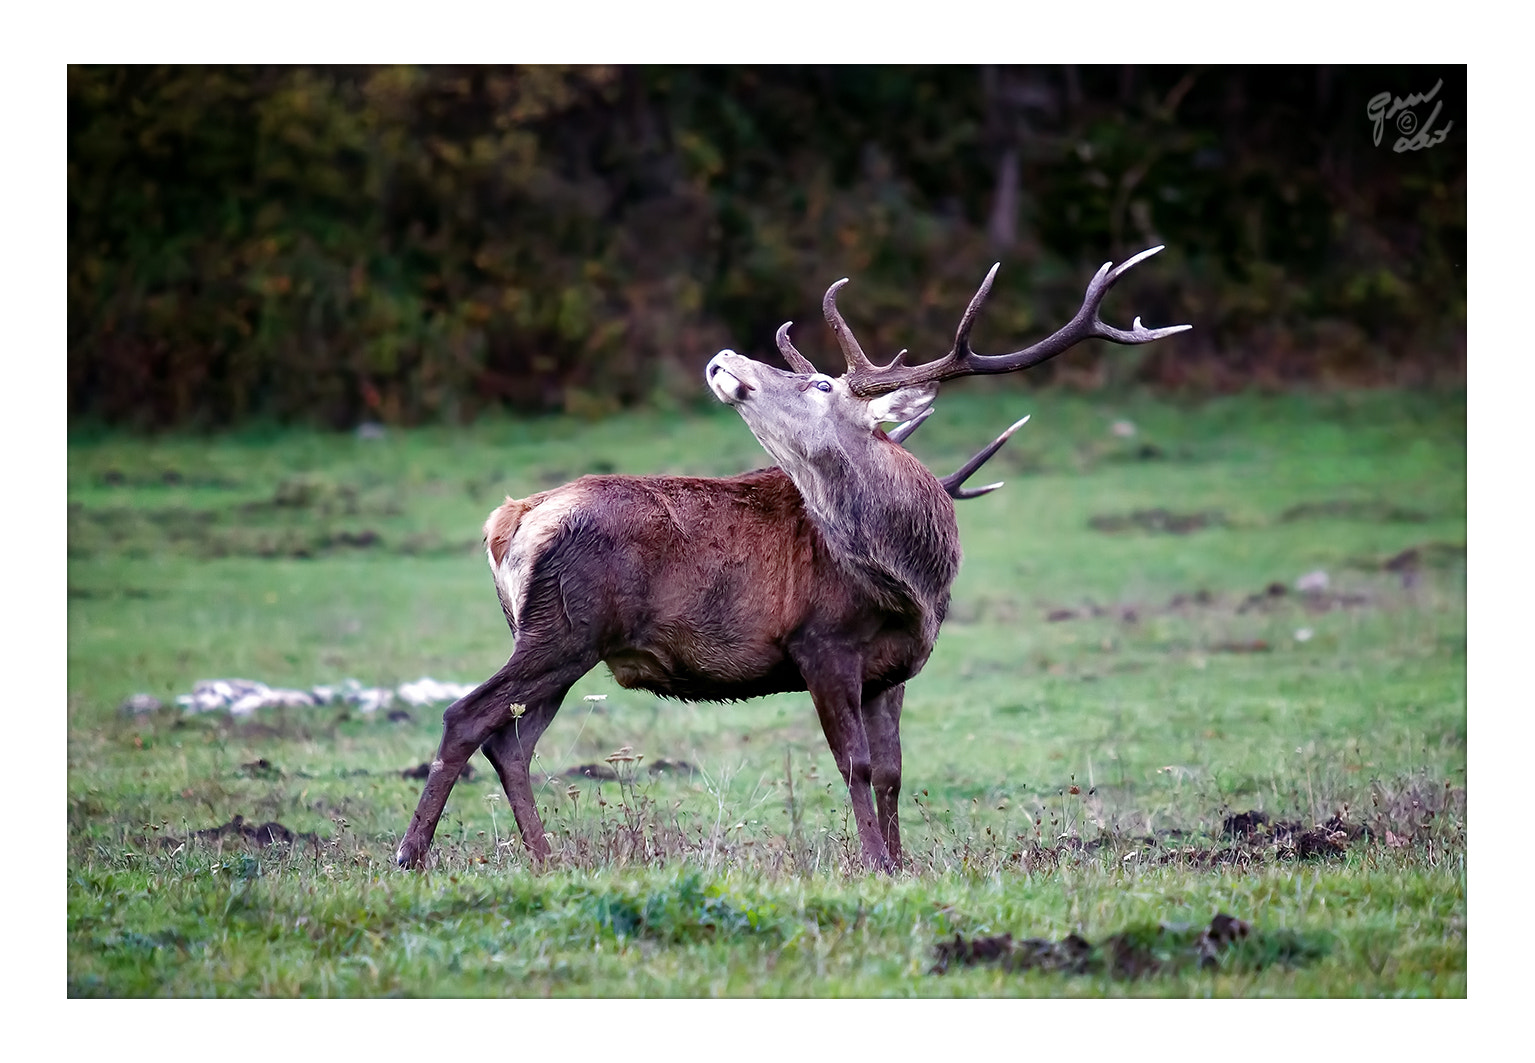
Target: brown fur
x=502 y=525
x=699 y=585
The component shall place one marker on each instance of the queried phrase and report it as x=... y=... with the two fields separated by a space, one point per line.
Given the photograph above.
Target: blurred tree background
x=406 y=244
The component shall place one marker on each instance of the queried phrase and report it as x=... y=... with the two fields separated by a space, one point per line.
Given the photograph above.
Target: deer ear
x=902 y=405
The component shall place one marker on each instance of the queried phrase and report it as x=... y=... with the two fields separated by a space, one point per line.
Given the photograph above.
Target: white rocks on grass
x=364 y=699
x=1312 y=582
x=241 y=697
x=428 y=691
x=140 y=705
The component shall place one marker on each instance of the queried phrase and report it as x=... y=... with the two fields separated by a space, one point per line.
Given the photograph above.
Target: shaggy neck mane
x=889 y=523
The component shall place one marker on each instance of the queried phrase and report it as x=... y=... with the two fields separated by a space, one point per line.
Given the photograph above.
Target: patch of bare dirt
x=1128 y=614
x=1273 y=595
x=1425 y=555
x=111 y=593
x=606 y=773
x=1291 y=838
x=1272 y=592
x=1353 y=509
x=1157 y=521
x=599 y=772
x=1244 y=823
x=1247 y=839
x=1134 y=953
x=1314 y=600
x=360 y=539
x=262 y=769
x=269 y=833
x=164 y=478
x=1410 y=563
x=1241 y=646
x=679 y=767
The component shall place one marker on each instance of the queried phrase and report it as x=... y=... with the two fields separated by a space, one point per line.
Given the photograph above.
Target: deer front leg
x=837 y=696
x=882 y=722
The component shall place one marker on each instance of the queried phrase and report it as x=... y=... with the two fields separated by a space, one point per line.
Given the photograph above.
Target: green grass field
x=1128 y=665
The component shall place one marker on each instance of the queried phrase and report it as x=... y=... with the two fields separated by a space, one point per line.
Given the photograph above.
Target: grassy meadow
x=1147 y=707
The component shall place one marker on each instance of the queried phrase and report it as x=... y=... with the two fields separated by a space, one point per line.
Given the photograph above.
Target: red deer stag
x=829 y=573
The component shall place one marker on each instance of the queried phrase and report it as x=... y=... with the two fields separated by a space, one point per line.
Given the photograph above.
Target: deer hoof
x=410 y=855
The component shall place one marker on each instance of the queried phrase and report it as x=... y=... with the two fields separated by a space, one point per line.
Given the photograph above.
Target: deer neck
x=886 y=521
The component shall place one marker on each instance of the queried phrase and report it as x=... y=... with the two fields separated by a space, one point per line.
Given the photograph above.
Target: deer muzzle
x=726 y=377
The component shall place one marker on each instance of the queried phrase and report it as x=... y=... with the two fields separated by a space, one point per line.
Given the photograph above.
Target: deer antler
x=858 y=363
x=798 y=362
x=866 y=379
x=952 y=482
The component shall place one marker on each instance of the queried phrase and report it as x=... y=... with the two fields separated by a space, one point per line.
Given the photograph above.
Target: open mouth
x=729 y=388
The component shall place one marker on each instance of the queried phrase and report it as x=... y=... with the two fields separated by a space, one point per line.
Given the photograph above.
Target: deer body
x=828 y=573
x=700 y=588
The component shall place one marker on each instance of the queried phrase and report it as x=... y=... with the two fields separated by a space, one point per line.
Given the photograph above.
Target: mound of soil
x=269 y=833
x=1157 y=521
x=1352 y=509
x=1274 y=596
x=599 y=772
x=1133 y=953
x=1315 y=600
x=1324 y=839
x=262 y=769
x=1251 y=839
x=1425 y=555
x=605 y=772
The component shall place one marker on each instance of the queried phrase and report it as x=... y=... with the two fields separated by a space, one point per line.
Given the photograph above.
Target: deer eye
x=823 y=385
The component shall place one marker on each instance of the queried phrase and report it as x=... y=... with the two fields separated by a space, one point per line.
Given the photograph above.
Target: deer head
x=819 y=427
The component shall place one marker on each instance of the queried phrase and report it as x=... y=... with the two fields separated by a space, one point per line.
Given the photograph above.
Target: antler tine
x=1125 y=266
x=1099 y=287
x=902 y=431
x=959 y=494
x=962 y=334
x=963 y=361
x=857 y=361
x=952 y=482
x=798 y=362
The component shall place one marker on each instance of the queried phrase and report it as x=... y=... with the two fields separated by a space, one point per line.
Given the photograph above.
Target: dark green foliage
x=408 y=244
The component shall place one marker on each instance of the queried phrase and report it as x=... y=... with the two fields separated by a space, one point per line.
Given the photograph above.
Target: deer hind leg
x=882 y=723
x=536 y=680
x=510 y=751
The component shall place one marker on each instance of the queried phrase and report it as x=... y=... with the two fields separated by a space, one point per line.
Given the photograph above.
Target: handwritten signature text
x=1384 y=107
